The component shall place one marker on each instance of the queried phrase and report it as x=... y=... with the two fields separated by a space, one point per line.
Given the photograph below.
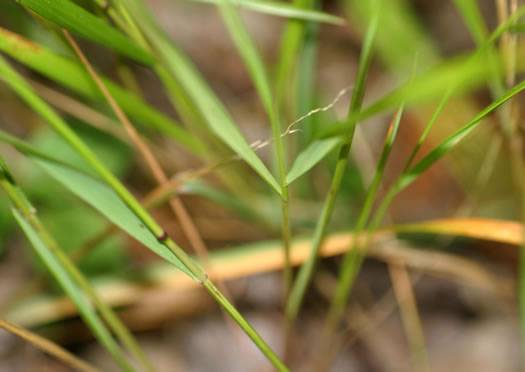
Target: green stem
x=219 y=297
x=306 y=271
x=26 y=92
x=26 y=209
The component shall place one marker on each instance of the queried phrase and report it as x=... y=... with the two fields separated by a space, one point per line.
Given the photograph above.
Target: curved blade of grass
x=291 y=40
x=212 y=110
x=97 y=194
x=73 y=292
x=310 y=156
x=305 y=273
x=355 y=256
x=256 y=258
x=464 y=73
x=249 y=54
x=281 y=9
x=49 y=347
x=471 y=13
x=72 y=75
x=460 y=73
x=403 y=36
x=25 y=91
x=107 y=202
x=255 y=65
x=76 y=19
x=454 y=138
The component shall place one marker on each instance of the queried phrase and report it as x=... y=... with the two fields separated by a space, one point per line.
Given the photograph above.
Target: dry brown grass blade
x=508 y=232
x=167 y=280
x=188 y=226
x=178 y=208
x=406 y=301
x=49 y=347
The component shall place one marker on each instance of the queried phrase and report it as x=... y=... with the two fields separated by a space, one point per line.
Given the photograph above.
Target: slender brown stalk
x=188 y=226
x=49 y=347
x=406 y=300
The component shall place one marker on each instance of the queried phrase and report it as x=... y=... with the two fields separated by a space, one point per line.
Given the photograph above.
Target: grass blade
x=261 y=257
x=310 y=156
x=463 y=73
x=354 y=257
x=473 y=19
x=281 y=9
x=146 y=221
x=215 y=114
x=73 y=292
x=49 y=252
x=455 y=138
x=107 y=202
x=72 y=75
x=305 y=273
x=49 y=347
x=69 y=15
x=255 y=65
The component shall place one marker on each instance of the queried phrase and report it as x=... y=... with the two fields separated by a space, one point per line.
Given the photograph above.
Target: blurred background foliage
x=232 y=206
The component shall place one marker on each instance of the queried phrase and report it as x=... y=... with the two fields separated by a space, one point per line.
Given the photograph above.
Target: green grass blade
x=471 y=13
x=291 y=40
x=402 y=36
x=461 y=73
x=22 y=89
x=96 y=194
x=212 y=110
x=46 y=248
x=72 y=75
x=310 y=156
x=76 y=19
x=255 y=65
x=107 y=202
x=427 y=129
x=354 y=257
x=249 y=54
x=73 y=292
x=281 y=9
x=455 y=138
x=14 y=80
x=305 y=273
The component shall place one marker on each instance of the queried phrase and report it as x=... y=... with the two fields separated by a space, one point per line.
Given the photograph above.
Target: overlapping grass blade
x=104 y=199
x=72 y=75
x=310 y=156
x=455 y=138
x=209 y=106
x=25 y=91
x=354 y=257
x=291 y=40
x=48 y=251
x=96 y=194
x=76 y=19
x=471 y=13
x=305 y=273
x=464 y=73
x=261 y=257
x=456 y=75
x=73 y=292
x=282 y=9
x=255 y=65
x=21 y=88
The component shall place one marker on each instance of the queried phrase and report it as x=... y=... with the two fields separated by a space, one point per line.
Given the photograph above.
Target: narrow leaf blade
x=67 y=14
x=310 y=156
